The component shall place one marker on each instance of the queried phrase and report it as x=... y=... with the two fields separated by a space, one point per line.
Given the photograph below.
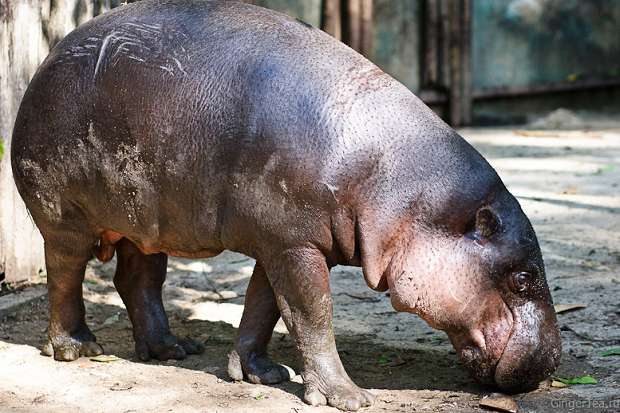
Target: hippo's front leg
x=300 y=280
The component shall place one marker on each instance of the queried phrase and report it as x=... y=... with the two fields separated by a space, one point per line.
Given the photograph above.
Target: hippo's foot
x=167 y=347
x=258 y=369
x=339 y=392
x=69 y=348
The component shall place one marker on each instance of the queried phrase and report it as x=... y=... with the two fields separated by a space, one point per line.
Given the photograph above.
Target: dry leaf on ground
x=499 y=402
x=564 y=308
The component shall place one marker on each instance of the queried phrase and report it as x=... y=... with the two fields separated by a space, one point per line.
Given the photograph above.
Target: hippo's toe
x=264 y=371
x=69 y=349
x=257 y=369
x=168 y=347
x=344 y=396
x=191 y=346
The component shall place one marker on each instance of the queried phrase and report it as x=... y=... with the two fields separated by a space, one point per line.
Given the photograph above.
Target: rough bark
x=357 y=25
x=332 y=18
x=28 y=29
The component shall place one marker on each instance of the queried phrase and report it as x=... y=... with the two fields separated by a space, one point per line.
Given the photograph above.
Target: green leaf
x=611 y=352
x=577 y=380
x=259 y=396
x=384 y=359
x=583 y=380
x=1 y=148
x=604 y=169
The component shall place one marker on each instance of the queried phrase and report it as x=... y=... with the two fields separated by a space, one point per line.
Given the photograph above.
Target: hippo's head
x=436 y=226
x=475 y=270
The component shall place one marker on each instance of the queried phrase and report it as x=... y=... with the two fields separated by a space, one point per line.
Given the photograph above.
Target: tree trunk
x=332 y=18
x=357 y=31
x=28 y=29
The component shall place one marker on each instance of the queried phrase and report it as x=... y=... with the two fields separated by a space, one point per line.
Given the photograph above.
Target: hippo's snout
x=527 y=353
x=533 y=350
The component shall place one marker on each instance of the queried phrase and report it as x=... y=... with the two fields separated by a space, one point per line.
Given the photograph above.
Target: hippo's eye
x=520 y=281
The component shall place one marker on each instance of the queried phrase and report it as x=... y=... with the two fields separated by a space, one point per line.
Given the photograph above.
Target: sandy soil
x=566 y=181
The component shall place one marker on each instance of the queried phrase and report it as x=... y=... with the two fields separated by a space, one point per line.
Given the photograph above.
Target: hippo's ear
x=488 y=222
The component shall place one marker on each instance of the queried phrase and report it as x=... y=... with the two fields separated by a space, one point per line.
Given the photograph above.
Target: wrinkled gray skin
x=185 y=128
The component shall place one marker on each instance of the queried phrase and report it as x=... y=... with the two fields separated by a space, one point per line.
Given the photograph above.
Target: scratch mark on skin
x=104 y=46
x=150 y=26
x=145 y=31
x=135 y=58
x=123 y=48
x=132 y=42
x=332 y=189
x=179 y=65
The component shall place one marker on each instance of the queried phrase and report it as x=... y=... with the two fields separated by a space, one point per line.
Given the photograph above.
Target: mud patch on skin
x=46 y=194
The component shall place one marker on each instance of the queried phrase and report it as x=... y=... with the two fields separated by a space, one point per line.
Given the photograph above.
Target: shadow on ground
x=369 y=365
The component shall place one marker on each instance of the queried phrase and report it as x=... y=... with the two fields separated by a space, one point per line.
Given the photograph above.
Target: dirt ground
x=567 y=182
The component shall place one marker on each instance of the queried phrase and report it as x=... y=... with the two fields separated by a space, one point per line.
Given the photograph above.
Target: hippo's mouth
x=532 y=351
x=515 y=352
x=481 y=350
x=513 y=328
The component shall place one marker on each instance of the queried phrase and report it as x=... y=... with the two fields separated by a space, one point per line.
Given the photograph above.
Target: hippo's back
x=194 y=106
x=185 y=65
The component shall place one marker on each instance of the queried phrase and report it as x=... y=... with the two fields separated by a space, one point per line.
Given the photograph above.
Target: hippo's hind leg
x=138 y=280
x=67 y=252
x=260 y=315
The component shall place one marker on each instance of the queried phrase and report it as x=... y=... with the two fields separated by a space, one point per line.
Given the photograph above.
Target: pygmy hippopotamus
x=188 y=127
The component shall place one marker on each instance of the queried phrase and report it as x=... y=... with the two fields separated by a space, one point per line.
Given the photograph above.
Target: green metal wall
x=515 y=42
x=534 y=42
x=307 y=10
x=396 y=39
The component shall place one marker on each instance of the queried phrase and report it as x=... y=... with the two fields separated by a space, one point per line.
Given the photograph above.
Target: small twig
x=362 y=298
